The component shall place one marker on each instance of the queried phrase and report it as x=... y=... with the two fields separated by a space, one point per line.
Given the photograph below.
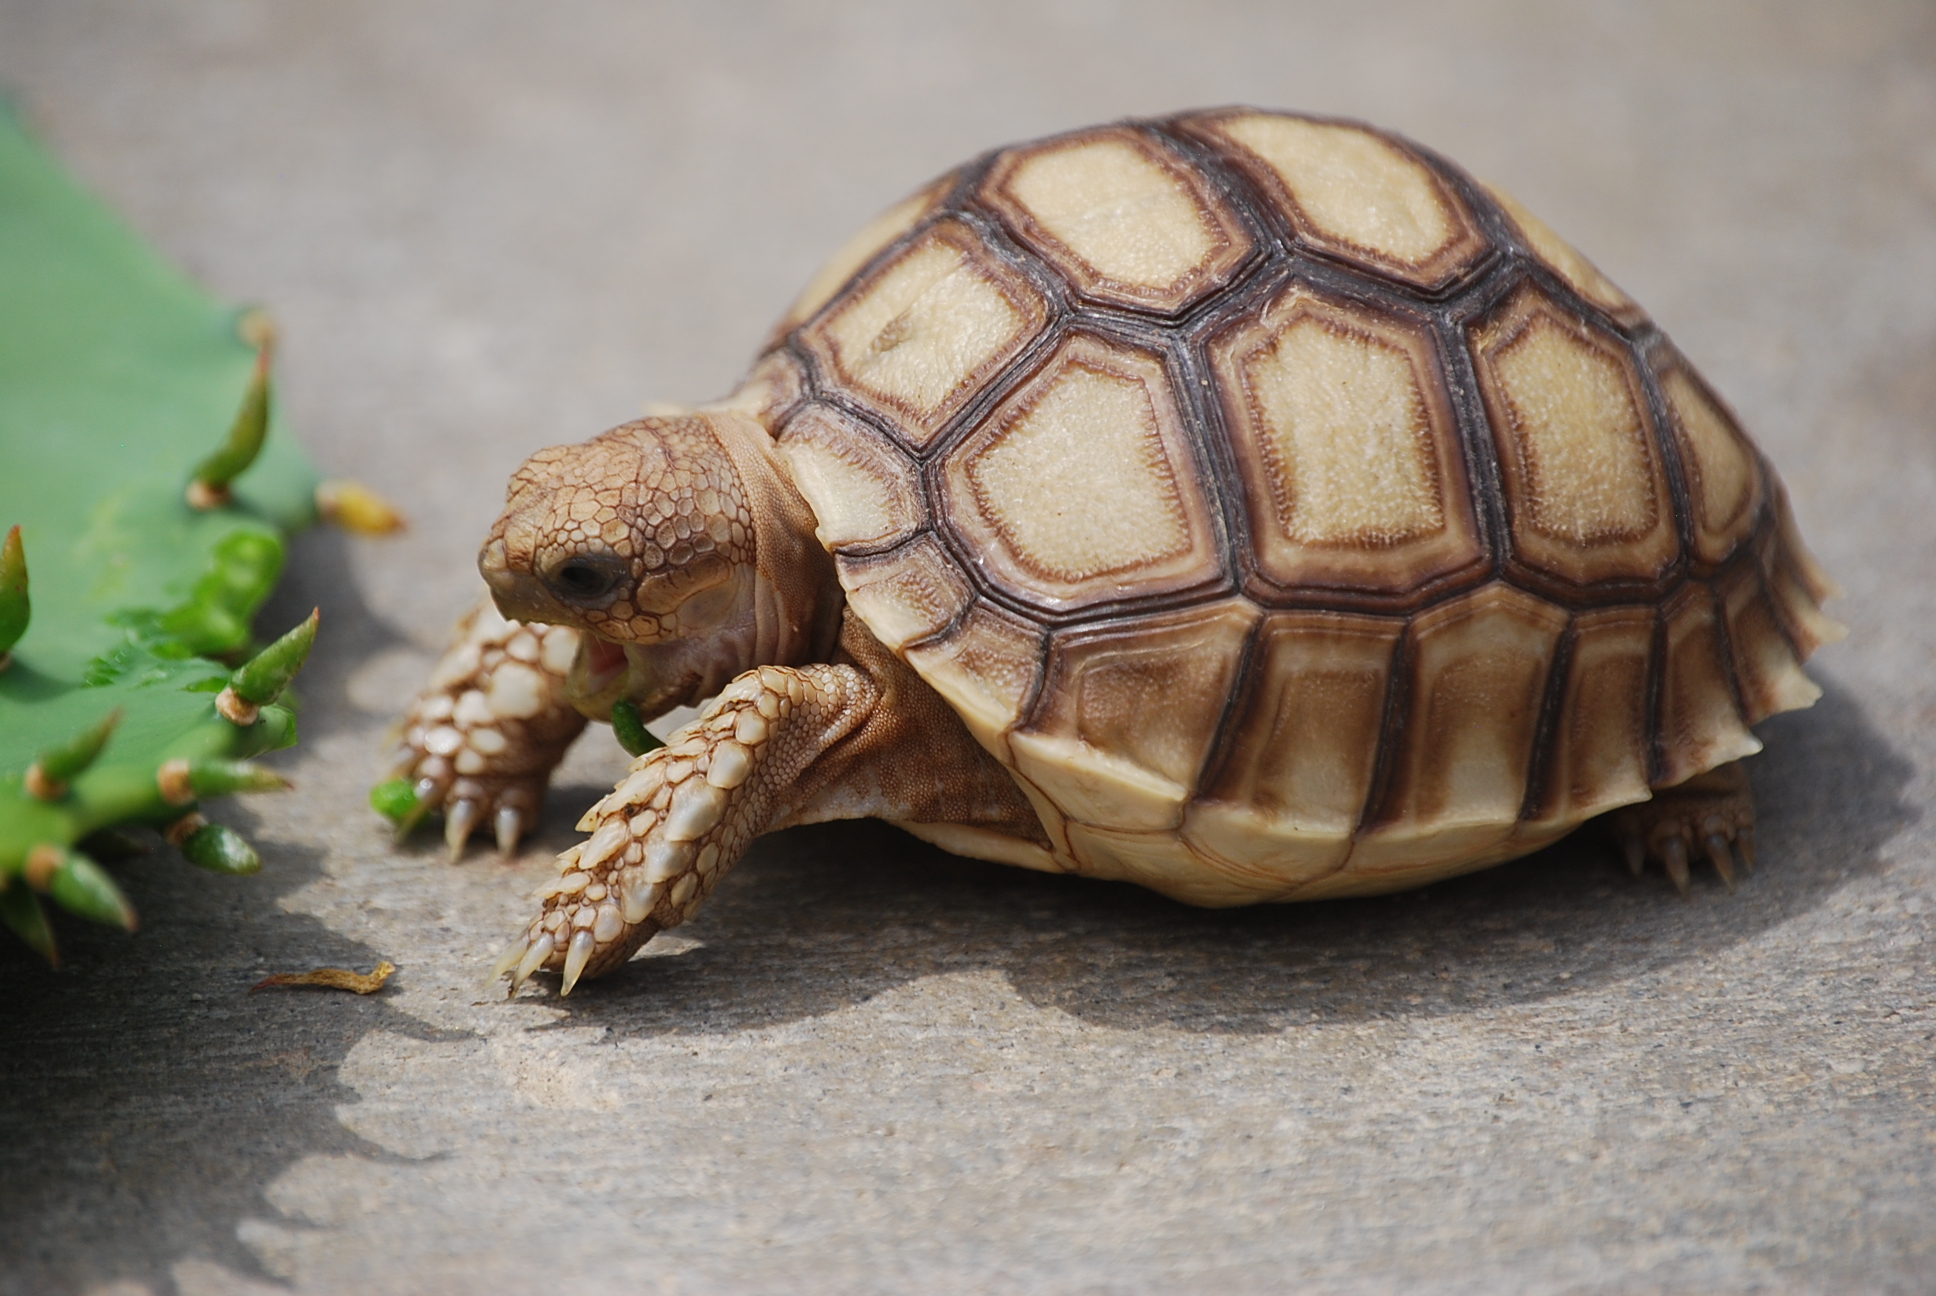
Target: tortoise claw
x=459 y=820
x=1636 y=852
x=510 y=827
x=1722 y=857
x=1673 y=853
x=533 y=959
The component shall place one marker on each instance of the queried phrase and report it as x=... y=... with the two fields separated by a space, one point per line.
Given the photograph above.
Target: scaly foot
x=1711 y=814
x=481 y=740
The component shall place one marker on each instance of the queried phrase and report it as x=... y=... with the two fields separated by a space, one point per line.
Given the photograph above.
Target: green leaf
x=126 y=379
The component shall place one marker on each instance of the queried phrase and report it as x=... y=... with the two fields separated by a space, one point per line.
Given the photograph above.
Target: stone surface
x=869 y=1066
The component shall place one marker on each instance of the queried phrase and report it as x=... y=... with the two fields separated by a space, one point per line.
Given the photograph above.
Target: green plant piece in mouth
x=630 y=730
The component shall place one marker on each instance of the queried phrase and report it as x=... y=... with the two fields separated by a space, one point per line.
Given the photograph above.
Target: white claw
x=512 y=953
x=510 y=827
x=533 y=959
x=459 y=820
x=576 y=956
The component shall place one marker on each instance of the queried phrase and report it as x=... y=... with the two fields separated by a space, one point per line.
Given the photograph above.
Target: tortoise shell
x=1293 y=515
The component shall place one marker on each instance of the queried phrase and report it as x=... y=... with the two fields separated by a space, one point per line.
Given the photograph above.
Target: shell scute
x=1303 y=752
x=1699 y=725
x=1565 y=260
x=863 y=492
x=925 y=331
x=1601 y=744
x=987 y=666
x=1580 y=464
x=1123 y=218
x=1083 y=484
x=1348 y=447
x=1723 y=477
x=1477 y=670
x=1356 y=194
x=1129 y=713
x=1765 y=665
x=907 y=594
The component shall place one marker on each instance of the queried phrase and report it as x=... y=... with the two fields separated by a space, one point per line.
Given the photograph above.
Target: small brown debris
x=330 y=978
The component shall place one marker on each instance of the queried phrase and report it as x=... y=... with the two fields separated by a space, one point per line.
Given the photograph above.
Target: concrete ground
x=487 y=227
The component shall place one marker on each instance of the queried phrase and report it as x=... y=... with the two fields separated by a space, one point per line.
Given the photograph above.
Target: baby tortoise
x=1252 y=506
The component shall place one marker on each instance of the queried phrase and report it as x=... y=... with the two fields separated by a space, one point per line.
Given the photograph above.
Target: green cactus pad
x=128 y=379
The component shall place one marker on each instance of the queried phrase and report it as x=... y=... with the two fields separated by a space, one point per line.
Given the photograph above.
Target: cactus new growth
x=209 y=486
x=15 y=609
x=128 y=691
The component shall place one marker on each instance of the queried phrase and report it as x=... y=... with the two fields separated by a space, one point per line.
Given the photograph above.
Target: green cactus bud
x=395 y=799
x=630 y=729
x=184 y=781
x=83 y=887
x=20 y=910
x=273 y=730
x=220 y=849
x=15 y=610
x=49 y=775
x=262 y=679
x=210 y=486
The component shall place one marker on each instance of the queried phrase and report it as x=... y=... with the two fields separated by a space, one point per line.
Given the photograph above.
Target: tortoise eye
x=585 y=579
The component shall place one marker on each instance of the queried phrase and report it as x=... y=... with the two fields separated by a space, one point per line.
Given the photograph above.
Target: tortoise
x=1251 y=506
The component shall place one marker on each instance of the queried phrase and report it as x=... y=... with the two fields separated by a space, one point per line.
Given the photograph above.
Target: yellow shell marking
x=1351 y=185
x=1117 y=210
x=1347 y=437
x=918 y=332
x=1582 y=446
x=1078 y=485
x=1723 y=475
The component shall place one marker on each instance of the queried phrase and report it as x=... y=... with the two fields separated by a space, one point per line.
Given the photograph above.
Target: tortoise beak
x=518 y=593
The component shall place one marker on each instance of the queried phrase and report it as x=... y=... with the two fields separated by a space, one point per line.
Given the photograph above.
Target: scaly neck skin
x=782 y=608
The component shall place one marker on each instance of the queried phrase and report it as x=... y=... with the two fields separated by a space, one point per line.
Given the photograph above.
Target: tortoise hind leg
x=1711 y=814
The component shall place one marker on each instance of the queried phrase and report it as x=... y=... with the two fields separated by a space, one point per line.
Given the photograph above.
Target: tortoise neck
x=797 y=599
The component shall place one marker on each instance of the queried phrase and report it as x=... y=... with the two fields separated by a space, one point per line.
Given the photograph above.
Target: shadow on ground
x=820 y=918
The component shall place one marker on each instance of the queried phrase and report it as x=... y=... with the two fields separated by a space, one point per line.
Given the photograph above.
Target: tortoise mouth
x=598 y=675
x=603 y=658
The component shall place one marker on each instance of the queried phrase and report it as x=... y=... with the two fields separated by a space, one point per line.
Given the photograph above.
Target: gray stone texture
x=487 y=226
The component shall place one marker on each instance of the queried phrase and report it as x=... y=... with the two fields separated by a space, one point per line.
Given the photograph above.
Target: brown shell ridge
x=1656 y=697
x=1391 y=728
x=1678 y=490
x=1541 y=768
x=1452 y=342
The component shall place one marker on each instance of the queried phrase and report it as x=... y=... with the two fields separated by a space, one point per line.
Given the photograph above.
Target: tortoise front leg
x=685 y=814
x=480 y=742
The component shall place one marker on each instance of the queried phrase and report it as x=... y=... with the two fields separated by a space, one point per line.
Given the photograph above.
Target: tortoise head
x=677 y=545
